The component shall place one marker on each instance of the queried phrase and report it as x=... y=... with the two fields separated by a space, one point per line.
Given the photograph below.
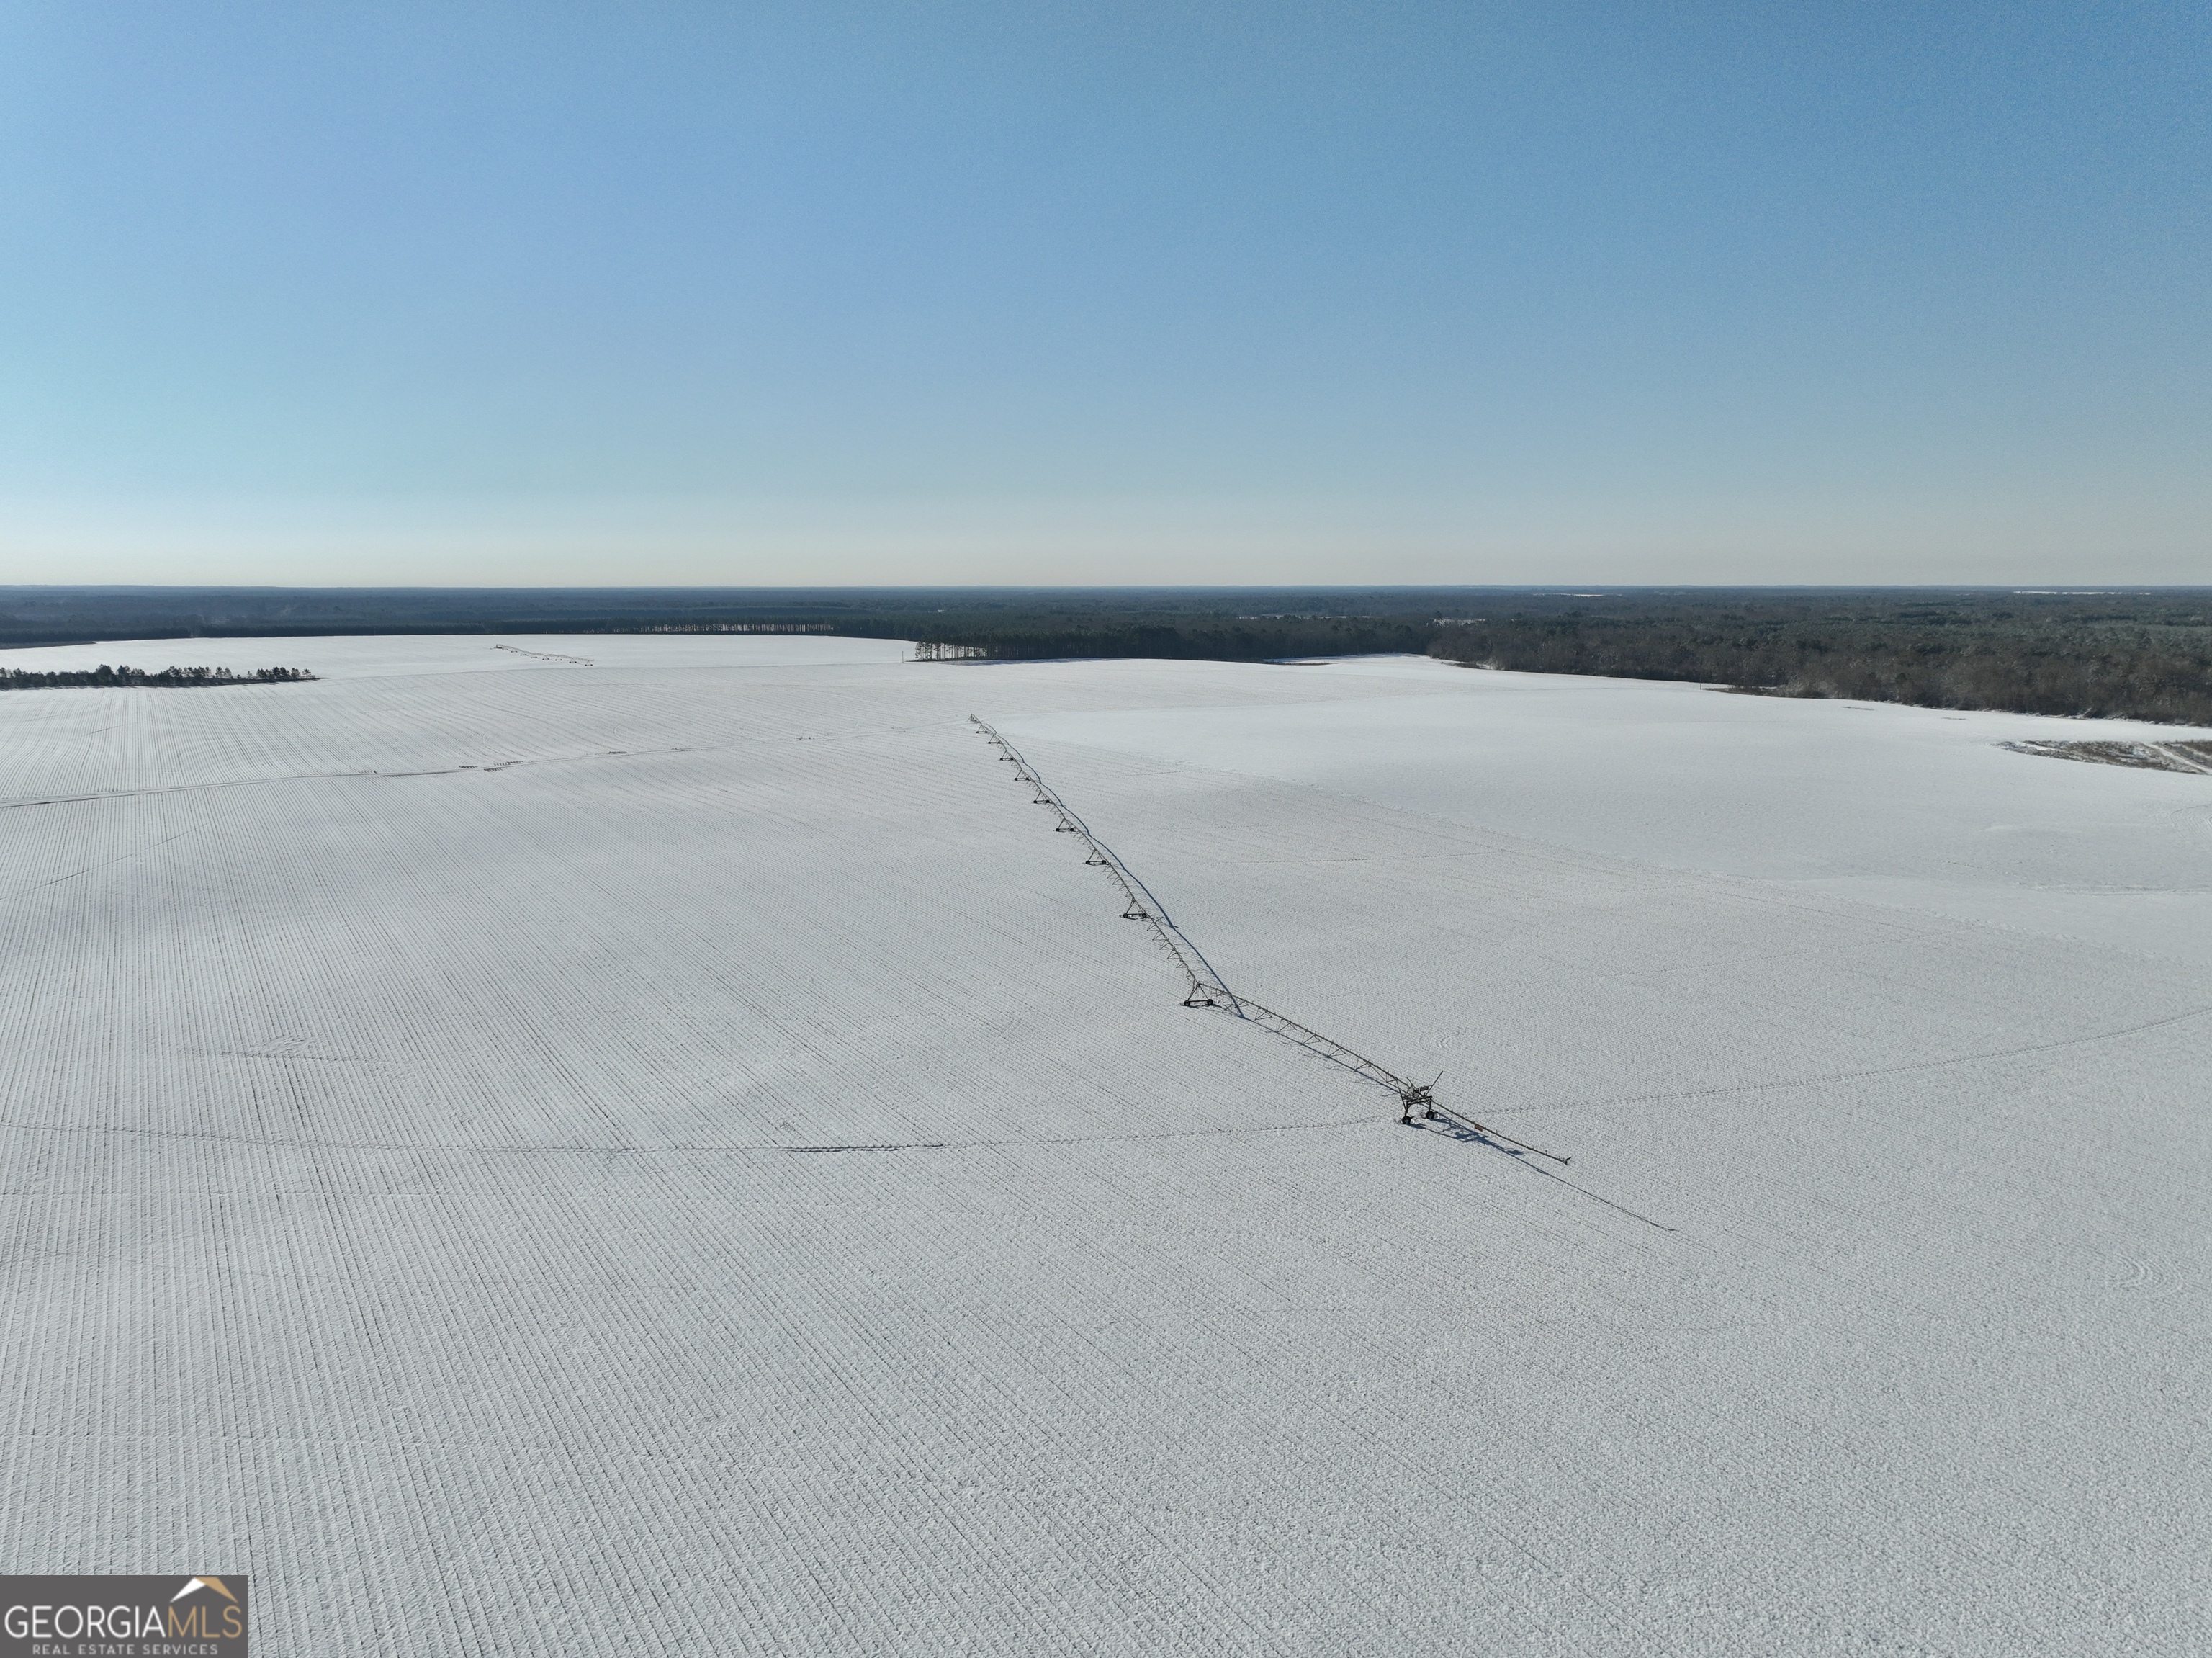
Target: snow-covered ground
x=675 y=1155
x=1909 y=806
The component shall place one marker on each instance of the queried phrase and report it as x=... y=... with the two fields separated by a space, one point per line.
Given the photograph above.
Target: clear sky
x=1059 y=292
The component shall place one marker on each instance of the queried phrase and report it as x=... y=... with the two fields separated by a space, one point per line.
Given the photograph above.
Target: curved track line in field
x=120 y=858
x=333 y=777
x=1203 y=985
x=1876 y=1071
x=511 y=1149
x=226 y=782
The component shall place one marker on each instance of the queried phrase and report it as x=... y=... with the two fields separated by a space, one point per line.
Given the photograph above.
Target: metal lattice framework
x=1203 y=987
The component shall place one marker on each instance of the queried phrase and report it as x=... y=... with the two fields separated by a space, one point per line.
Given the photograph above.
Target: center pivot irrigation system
x=545 y=656
x=1202 y=986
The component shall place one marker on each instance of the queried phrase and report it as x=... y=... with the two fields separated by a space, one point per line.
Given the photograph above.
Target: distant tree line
x=1044 y=619
x=2145 y=658
x=2145 y=653
x=18 y=679
x=1218 y=639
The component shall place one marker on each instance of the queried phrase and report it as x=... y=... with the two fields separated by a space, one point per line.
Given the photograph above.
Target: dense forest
x=1053 y=621
x=2145 y=653
x=17 y=679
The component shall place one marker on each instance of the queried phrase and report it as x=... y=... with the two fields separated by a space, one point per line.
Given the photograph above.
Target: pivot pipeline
x=1203 y=986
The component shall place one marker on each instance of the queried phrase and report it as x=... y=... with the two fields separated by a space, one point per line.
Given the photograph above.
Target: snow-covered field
x=675 y=1156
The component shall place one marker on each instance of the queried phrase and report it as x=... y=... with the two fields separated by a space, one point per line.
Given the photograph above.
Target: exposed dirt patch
x=2143 y=756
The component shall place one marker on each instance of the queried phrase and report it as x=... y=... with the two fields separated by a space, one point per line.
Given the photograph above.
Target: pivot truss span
x=1202 y=986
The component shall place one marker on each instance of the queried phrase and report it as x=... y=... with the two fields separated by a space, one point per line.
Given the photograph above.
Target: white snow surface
x=675 y=1155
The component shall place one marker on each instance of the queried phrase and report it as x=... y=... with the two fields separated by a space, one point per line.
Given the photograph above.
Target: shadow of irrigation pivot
x=1467 y=1133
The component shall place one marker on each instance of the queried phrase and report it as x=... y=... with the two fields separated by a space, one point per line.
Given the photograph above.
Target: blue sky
x=1068 y=292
